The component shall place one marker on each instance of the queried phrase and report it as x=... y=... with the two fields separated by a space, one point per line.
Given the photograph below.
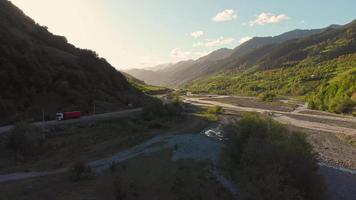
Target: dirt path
x=283 y=116
x=187 y=146
x=339 y=181
x=315 y=125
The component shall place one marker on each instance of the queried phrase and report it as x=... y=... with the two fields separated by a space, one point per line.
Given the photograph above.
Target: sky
x=145 y=33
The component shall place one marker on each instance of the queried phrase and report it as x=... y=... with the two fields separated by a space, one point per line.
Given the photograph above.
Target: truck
x=68 y=115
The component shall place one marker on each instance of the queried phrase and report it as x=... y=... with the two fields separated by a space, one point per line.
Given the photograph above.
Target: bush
x=79 y=171
x=215 y=110
x=120 y=192
x=26 y=139
x=270 y=162
x=343 y=106
x=338 y=95
x=157 y=109
x=269 y=97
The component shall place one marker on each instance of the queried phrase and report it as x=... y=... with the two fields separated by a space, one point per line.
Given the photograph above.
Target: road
x=287 y=117
x=340 y=181
x=88 y=118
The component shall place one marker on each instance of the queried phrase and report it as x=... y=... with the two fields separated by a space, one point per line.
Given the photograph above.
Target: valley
x=177 y=102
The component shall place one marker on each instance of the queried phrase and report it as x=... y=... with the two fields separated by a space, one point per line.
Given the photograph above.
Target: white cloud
x=198 y=44
x=219 y=42
x=197 y=34
x=226 y=15
x=268 y=18
x=210 y=43
x=244 y=39
x=177 y=53
x=202 y=54
x=148 y=61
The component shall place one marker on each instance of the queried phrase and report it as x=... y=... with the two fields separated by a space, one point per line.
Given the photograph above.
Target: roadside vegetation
x=26 y=141
x=210 y=113
x=149 y=177
x=307 y=78
x=267 y=161
x=80 y=171
x=31 y=148
x=349 y=139
x=269 y=97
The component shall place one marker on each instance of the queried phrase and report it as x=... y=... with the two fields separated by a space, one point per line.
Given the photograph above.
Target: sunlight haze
x=137 y=34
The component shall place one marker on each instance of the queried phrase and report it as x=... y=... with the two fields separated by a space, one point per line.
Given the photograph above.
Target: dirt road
x=300 y=120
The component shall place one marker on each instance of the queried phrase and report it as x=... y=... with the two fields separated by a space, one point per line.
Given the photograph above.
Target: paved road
x=89 y=118
x=285 y=117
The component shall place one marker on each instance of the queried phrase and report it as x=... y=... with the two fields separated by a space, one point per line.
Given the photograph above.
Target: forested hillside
x=321 y=66
x=42 y=72
x=337 y=95
x=295 y=81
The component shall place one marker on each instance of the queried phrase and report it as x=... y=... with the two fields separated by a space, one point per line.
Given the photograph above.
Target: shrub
x=119 y=191
x=270 y=162
x=157 y=109
x=215 y=110
x=79 y=171
x=342 y=106
x=267 y=97
x=26 y=139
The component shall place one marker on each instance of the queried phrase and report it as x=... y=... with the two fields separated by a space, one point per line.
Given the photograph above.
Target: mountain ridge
x=179 y=74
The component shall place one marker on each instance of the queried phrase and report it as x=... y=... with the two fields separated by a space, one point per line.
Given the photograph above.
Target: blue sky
x=142 y=33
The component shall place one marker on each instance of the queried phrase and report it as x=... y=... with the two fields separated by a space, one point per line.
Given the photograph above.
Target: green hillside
x=146 y=88
x=320 y=66
x=42 y=72
x=337 y=95
x=299 y=80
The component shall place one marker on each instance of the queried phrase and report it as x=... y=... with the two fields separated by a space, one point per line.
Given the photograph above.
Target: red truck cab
x=68 y=115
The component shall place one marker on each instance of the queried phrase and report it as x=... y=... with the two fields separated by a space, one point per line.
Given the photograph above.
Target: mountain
x=171 y=75
x=160 y=66
x=42 y=72
x=219 y=60
x=258 y=42
x=146 y=88
x=216 y=55
x=330 y=43
x=320 y=67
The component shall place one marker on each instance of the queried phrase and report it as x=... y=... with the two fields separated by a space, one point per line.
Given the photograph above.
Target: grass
x=349 y=139
x=146 y=177
x=210 y=113
x=90 y=141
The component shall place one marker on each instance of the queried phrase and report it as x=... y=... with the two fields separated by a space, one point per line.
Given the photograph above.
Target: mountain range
x=182 y=72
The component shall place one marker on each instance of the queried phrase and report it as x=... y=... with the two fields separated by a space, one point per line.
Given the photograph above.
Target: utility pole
x=94 y=108
x=43 y=119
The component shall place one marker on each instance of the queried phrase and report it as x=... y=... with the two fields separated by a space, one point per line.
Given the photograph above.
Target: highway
x=89 y=118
